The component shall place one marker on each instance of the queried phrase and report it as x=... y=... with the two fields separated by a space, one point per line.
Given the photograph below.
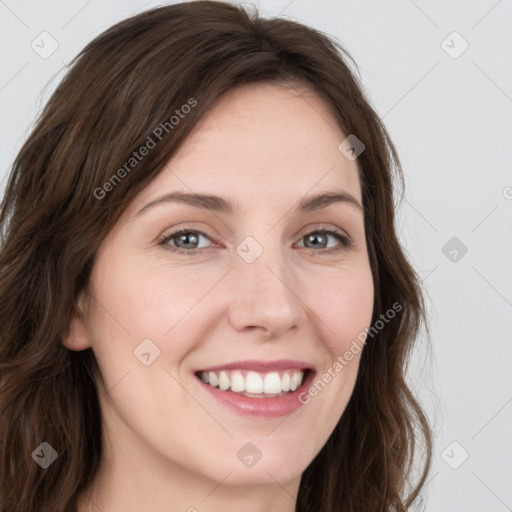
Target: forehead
x=262 y=141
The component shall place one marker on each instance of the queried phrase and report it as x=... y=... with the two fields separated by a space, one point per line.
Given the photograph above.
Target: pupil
x=315 y=237
x=186 y=236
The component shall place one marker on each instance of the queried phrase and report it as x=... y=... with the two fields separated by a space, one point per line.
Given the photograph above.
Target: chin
x=263 y=475
x=277 y=466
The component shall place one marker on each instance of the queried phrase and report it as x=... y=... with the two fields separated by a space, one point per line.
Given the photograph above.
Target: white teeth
x=213 y=379
x=224 y=382
x=272 y=383
x=285 y=382
x=254 y=383
x=294 y=381
x=237 y=382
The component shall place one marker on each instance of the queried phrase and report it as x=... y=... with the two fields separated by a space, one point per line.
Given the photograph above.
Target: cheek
x=138 y=300
x=345 y=306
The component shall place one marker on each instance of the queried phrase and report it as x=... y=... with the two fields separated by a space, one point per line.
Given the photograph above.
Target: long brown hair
x=56 y=211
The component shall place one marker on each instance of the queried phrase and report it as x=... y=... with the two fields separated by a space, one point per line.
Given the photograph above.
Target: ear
x=77 y=336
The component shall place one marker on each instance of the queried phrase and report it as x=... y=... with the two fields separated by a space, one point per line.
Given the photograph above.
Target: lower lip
x=263 y=407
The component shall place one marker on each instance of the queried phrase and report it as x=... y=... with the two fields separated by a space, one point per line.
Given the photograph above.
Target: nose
x=264 y=296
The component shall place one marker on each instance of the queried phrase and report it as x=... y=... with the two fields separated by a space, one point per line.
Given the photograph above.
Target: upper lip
x=260 y=366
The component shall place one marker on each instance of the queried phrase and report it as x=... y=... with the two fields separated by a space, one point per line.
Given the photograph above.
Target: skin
x=168 y=444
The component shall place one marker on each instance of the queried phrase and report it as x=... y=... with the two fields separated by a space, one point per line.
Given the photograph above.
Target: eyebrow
x=221 y=205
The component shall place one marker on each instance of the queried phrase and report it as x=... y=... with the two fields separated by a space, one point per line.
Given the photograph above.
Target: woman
x=261 y=367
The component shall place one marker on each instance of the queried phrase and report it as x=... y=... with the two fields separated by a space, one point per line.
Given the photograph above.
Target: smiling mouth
x=254 y=384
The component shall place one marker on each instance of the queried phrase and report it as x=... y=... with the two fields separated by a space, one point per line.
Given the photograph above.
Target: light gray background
x=451 y=120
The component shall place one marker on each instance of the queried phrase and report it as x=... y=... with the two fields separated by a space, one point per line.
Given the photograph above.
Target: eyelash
x=346 y=242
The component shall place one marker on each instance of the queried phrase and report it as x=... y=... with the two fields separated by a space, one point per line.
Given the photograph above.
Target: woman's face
x=266 y=288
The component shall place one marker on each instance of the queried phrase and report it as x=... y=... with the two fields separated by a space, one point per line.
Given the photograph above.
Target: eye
x=319 y=239
x=187 y=241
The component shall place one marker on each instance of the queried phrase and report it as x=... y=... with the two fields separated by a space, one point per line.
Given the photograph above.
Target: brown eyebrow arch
x=219 y=204
x=319 y=201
